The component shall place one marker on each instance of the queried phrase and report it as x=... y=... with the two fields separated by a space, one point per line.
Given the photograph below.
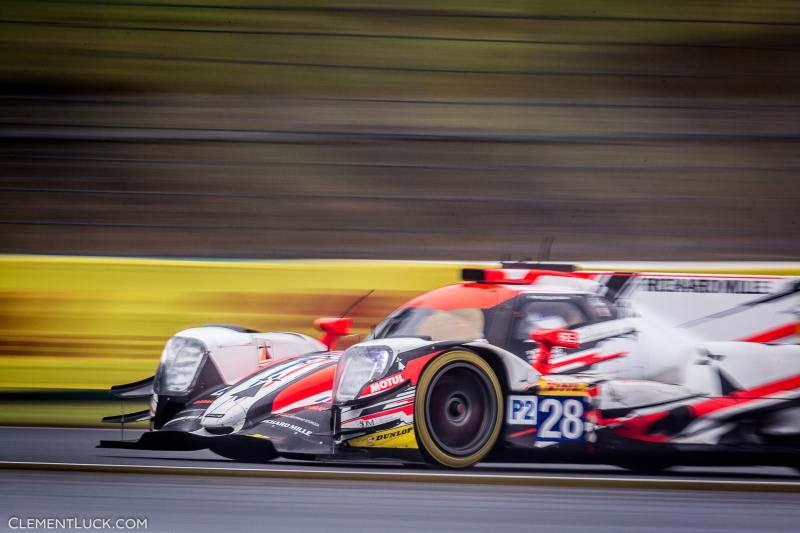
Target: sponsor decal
x=74 y=522
x=533 y=354
x=400 y=437
x=521 y=410
x=402 y=413
x=707 y=285
x=182 y=418
x=301 y=419
x=386 y=383
x=556 y=417
x=563 y=388
x=291 y=427
x=561 y=419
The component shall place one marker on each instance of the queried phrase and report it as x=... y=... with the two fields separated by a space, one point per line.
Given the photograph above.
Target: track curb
x=416 y=477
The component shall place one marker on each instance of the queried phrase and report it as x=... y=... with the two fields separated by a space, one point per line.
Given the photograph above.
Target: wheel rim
x=460 y=410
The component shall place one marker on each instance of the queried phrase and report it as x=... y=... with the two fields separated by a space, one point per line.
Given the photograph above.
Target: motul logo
x=386 y=383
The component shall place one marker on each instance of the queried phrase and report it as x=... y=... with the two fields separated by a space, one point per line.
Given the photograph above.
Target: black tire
x=458 y=411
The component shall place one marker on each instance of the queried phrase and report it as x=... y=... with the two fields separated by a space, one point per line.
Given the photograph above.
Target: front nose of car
x=224 y=418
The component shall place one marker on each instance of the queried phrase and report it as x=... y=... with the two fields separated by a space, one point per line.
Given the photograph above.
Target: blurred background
x=433 y=129
x=422 y=129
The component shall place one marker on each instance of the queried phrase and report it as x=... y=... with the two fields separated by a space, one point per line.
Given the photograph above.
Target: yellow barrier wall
x=88 y=323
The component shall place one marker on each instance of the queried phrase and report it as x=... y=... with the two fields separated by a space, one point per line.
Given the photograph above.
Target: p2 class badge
x=561 y=419
x=521 y=410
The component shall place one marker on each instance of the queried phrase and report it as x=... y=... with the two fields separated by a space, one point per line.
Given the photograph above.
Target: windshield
x=433 y=324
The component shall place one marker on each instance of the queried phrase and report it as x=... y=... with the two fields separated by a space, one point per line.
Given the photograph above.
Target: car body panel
x=671 y=362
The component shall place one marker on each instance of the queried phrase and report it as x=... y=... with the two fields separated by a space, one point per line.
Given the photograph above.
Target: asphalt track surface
x=218 y=501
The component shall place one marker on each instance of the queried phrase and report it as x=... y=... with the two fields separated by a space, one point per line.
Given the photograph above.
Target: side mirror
x=565 y=338
x=333 y=329
x=546 y=339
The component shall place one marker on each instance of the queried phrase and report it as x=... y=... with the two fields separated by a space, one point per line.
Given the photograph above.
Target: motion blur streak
x=418 y=129
x=87 y=323
x=176 y=503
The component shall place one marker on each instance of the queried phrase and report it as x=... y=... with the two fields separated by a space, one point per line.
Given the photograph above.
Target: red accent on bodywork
x=381 y=385
x=333 y=329
x=743 y=396
x=468 y=295
x=317 y=383
x=780 y=332
x=521 y=433
x=587 y=360
x=406 y=409
x=637 y=428
x=520 y=276
x=546 y=339
x=200 y=402
x=556 y=337
x=414 y=367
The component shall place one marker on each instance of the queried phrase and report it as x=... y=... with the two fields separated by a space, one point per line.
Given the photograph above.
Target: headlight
x=358 y=366
x=180 y=361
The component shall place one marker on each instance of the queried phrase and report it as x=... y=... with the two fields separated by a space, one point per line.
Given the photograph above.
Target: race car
x=526 y=362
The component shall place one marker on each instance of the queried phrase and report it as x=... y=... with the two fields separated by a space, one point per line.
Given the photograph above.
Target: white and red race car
x=530 y=363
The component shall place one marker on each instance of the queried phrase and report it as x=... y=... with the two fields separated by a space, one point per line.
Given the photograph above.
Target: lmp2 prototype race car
x=531 y=363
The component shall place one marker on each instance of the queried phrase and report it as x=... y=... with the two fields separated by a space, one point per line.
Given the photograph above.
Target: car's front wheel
x=458 y=412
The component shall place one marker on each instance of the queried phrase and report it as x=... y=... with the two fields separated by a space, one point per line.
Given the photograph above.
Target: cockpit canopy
x=433 y=324
x=498 y=314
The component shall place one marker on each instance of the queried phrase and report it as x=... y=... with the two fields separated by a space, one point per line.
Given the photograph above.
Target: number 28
x=562 y=419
